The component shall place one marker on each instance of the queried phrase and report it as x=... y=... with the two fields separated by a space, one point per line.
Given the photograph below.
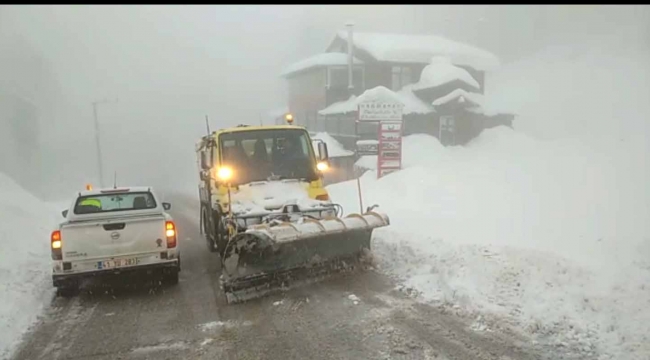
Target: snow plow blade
x=268 y=258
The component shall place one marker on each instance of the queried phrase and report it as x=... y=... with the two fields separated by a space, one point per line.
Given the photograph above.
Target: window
x=262 y=155
x=110 y=202
x=338 y=77
x=447 y=135
x=401 y=76
x=358 y=79
x=213 y=154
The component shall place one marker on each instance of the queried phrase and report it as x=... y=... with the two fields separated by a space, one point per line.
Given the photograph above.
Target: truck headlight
x=224 y=173
x=322 y=166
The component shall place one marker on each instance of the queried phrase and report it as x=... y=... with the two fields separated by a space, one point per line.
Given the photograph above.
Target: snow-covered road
x=355 y=316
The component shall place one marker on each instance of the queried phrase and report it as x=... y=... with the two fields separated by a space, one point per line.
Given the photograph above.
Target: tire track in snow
x=68 y=324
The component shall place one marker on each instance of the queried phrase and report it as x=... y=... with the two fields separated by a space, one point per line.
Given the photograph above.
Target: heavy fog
x=162 y=69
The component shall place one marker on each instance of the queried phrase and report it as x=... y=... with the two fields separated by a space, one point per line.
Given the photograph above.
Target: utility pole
x=100 y=165
x=350 y=26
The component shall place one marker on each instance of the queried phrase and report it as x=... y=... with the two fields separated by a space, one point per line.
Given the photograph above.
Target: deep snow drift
x=25 y=285
x=553 y=235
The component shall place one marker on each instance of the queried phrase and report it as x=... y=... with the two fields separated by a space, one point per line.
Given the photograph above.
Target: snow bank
x=25 y=285
x=334 y=148
x=412 y=154
x=441 y=71
x=551 y=235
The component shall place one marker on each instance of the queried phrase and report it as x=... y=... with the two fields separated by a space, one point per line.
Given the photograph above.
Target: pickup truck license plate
x=117 y=263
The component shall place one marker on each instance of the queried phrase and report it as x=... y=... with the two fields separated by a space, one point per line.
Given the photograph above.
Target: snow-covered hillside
x=553 y=235
x=25 y=285
x=599 y=88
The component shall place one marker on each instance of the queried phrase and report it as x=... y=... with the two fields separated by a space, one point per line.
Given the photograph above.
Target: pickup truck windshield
x=260 y=155
x=102 y=203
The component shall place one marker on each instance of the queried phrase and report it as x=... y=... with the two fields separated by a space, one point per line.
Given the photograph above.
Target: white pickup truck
x=114 y=231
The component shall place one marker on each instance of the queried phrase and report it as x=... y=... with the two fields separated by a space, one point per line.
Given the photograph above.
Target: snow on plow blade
x=266 y=258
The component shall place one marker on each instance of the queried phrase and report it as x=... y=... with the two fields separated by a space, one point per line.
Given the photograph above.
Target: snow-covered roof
x=324 y=59
x=367 y=162
x=420 y=49
x=459 y=94
x=341 y=107
x=481 y=105
x=441 y=71
x=334 y=148
x=412 y=104
x=367 y=142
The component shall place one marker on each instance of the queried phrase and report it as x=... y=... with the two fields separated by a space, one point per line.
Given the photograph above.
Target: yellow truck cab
x=251 y=174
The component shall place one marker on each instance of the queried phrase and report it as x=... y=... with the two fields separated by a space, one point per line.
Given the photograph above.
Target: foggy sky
x=169 y=66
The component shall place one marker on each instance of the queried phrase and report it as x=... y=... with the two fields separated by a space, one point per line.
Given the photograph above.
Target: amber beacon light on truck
x=289 y=118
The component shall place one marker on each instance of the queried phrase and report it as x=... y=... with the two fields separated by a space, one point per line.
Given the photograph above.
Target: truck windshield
x=260 y=155
x=102 y=203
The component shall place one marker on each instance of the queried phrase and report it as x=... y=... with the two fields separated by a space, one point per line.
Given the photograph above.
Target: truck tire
x=221 y=234
x=208 y=228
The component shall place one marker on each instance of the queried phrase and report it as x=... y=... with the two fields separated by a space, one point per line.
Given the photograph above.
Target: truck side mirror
x=205 y=164
x=166 y=205
x=205 y=175
x=64 y=213
x=322 y=151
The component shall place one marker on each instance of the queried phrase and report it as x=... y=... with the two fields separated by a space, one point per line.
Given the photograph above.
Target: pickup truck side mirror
x=167 y=205
x=64 y=213
x=322 y=151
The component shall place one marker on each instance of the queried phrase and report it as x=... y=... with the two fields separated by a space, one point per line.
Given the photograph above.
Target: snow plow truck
x=265 y=211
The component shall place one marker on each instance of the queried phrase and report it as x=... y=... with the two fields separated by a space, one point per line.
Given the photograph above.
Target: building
x=440 y=82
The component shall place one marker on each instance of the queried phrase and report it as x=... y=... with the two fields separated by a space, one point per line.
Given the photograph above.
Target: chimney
x=350 y=26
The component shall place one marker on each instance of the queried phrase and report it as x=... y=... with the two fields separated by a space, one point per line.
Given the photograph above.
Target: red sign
x=389 y=149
